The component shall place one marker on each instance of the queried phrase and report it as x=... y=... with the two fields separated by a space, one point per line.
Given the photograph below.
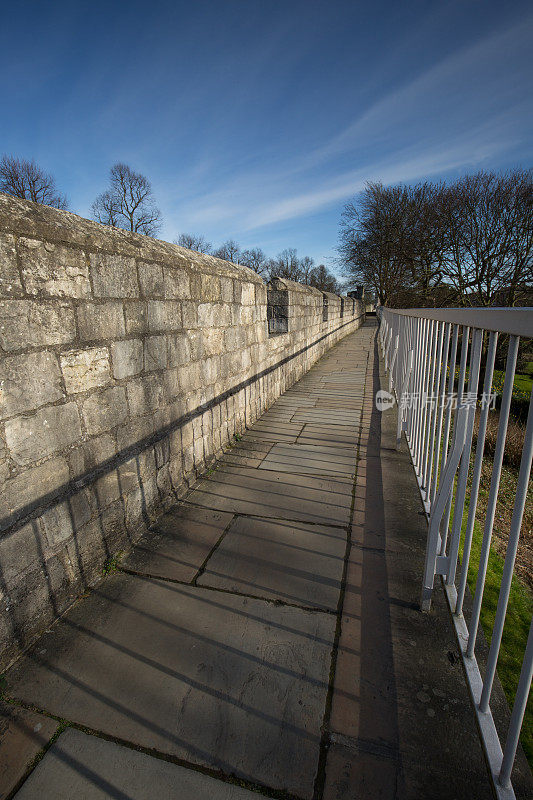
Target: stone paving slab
x=310 y=460
x=293 y=562
x=23 y=734
x=82 y=767
x=266 y=493
x=179 y=544
x=317 y=416
x=227 y=682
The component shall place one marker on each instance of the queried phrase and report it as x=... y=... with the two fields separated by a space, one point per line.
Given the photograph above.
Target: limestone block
x=104 y=410
x=177 y=283
x=28 y=381
x=164 y=315
x=53 y=269
x=226 y=290
x=100 y=321
x=248 y=294
x=141 y=505
x=197 y=344
x=113 y=276
x=145 y=395
x=32 y=485
x=91 y=454
x=213 y=315
x=60 y=521
x=179 y=349
x=151 y=279
x=10 y=283
x=213 y=342
x=136 y=317
x=127 y=358
x=209 y=289
x=234 y=339
x=155 y=353
x=189 y=377
x=189 y=315
x=134 y=433
x=107 y=489
x=48 y=431
x=19 y=551
x=85 y=369
x=27 y=323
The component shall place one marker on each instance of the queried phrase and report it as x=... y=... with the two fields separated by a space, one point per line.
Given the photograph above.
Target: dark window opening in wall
x=277 y=311
x=324 y=308
x=342 y=307
x=353 y=307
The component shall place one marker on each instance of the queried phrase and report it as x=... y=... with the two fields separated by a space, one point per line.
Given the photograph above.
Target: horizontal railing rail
x=440 y=364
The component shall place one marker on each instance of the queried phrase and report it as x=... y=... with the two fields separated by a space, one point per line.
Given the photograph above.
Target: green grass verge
x=515 y=631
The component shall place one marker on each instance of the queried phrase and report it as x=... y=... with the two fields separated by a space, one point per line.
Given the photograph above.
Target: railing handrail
x=514 y=321
x=421 y=348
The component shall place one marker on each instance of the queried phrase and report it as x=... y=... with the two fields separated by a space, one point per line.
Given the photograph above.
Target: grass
x=515 y=630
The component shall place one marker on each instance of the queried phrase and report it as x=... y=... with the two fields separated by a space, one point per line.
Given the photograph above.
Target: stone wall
x=126 y=365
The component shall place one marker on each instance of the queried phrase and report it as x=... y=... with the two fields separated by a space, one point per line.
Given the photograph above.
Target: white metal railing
x=423 y=349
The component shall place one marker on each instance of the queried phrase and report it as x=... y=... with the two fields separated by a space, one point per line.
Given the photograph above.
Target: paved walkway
x=265 y=638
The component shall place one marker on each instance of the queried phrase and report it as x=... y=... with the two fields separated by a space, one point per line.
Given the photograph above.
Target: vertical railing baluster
x=462 y=479
x=442 y=396
x=493 y=493
x=478 y=464
x=517 y=716
x=460 y=388
x=510 y=557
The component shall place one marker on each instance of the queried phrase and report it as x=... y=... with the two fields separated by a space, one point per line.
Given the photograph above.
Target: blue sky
x=259 y=120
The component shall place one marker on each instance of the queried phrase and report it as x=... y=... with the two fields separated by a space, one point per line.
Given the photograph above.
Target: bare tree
x=322 y=279
x=128 y=203
x=254 y=259
x=306 y=269
x=22 y=178
x=373 y=241
x=286 y=265
x=488 y=224
x=193 y=242
x=229 y=251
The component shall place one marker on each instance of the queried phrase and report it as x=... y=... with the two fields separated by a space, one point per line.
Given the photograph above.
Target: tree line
x=464 y=243
x=129 y=203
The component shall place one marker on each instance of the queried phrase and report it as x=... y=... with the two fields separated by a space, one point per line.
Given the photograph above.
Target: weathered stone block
x=136 y=316
x=10 y=283
x=164 y=315
x=135 y=433
x=91 y=454
x=100 y=321
x=196 y=344
x=53 y=269
x=213 y=342
x=155 y=353
x=31 y=485
x=209 y=288
x=28 y=381
x=145 y=395
x=226 y=290
x=104 y=410
x=127 y=358
x=248 y=294
x=189 y=315
x=26 y=323
x=85 y=369
x=107 y=489
x=42 y=434
x=151 y=279
x=213 y=315
x=179 y=349
x=177 y=283
x=20 y=551
x=113 y=276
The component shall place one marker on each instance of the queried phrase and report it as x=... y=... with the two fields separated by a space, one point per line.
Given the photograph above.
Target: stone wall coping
x=46 y=224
